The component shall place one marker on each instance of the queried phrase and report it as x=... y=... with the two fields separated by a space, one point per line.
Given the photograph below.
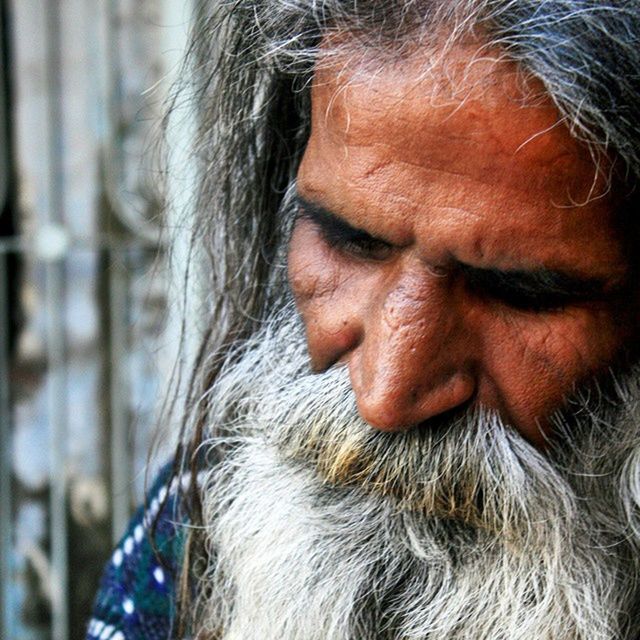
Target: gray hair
x=251 y=63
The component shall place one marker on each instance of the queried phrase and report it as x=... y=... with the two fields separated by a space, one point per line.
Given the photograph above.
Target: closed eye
x=340 y=235
x=540 y=290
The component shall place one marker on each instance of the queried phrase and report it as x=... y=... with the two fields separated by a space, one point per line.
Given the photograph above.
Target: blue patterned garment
x=136 y=600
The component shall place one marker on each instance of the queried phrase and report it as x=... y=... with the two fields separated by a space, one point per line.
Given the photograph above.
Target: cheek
x=532 y=363
x=325 y=289
x=315 y=277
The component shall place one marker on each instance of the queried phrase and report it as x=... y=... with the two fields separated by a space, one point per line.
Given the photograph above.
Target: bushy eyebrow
x=521 y=286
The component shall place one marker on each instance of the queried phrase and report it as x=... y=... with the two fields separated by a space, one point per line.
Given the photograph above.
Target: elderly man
x=416 y=413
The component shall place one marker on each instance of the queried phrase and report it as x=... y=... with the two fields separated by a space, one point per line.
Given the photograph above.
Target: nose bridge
x=415 y=305
x=410 y=366
x=413 y=324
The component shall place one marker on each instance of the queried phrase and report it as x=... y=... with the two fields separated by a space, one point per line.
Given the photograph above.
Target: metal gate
x=85 y=336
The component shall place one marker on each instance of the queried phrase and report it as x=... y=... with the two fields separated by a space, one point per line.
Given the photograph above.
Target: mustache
x=466 y=467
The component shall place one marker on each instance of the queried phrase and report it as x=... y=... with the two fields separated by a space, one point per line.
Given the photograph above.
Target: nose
x=413 y=361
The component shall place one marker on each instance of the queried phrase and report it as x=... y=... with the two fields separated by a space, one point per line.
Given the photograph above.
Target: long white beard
x=321 y=528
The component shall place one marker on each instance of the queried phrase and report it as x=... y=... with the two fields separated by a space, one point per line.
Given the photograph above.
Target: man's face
x=455 y=244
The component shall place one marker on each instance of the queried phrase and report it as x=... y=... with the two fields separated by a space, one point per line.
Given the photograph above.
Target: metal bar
x=22 y=244
x=121 y=460
x=4 y=144
x=55 y=116
x=121 y=456
x=114 y=89
x=56 y=347
x=57 y=409
x=7 y=608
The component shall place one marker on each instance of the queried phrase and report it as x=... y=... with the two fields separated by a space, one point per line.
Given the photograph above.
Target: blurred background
x=89 y=312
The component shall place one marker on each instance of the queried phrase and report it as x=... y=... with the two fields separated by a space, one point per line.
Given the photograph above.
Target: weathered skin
x=447 y=176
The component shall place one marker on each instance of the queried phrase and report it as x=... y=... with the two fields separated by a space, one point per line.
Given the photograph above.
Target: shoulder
x=137 y=595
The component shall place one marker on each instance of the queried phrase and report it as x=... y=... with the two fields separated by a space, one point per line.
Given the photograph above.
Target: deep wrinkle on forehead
x=477 y=111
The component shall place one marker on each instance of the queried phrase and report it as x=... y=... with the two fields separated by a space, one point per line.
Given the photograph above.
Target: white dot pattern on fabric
x=98 y=629
x=117 y=557
x=107 y=632
x=128 y=545
x=185 y=481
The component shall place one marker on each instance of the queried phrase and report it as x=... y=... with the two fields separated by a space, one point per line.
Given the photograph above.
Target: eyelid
x=340 y=235
x=522 y=290
x=329 y=221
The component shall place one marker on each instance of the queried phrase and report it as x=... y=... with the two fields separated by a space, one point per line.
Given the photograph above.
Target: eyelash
x=530 y=302
x=517 y=297
x=360 y=247
x=359 y=244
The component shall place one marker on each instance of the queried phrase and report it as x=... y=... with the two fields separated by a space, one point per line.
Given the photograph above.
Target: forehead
x=483 y=95
x=464 y=138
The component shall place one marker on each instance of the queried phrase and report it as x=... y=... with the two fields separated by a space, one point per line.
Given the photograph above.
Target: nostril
x=440 y=424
